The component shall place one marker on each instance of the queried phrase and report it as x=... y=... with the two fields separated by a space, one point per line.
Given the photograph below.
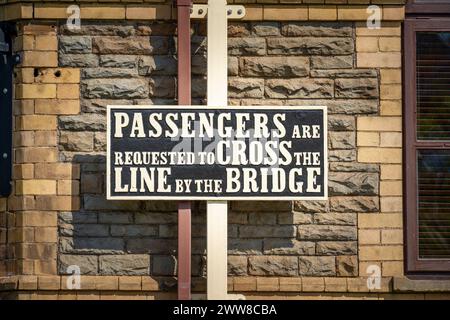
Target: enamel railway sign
x=229 y=153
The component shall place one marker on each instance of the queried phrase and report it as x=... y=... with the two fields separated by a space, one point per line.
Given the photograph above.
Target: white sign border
x=218 y=198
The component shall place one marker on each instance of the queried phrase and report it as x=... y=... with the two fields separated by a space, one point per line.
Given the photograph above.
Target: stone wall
x=286 y=54
x=271 y=63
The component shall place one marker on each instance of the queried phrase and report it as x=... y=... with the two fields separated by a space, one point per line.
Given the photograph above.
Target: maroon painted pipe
x=184 y=98
x=184 y=52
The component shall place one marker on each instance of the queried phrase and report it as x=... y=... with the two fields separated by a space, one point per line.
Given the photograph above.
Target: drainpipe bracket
x=235 y=12
x=199 y=11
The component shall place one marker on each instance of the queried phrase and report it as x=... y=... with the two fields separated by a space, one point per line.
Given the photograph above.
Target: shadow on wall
x=119 y=237
x=266 y=238
x=109 y=237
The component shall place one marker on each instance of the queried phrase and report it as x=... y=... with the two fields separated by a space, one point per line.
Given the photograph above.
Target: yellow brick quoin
x=46 y=43
x=39 y=59
x=35 y=187
x=45 y=138
x=380 y=220
x=391 y=76
x=391 y=172
x=368 y=236
x=379 y=124
x=36 y=122
x=57 y=75
x=391 y=107
x=368 y=139
x=391 y=252
x=391 y=188
x=57 y=107
x=35 y=91
x=378 y=59
x=68 y=91
x=34 y=155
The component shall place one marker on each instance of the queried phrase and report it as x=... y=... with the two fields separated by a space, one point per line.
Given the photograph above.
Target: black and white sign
x=229 y=153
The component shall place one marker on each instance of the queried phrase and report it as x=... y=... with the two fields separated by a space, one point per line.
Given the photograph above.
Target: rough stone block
x=76 y=141
x=345 y=219
x=118 y=61
x=130 y=264
x=88 y=264
x=78 y=60
x=162 y=87
x=288 y=247
x=299 y=88
x=266 y=231
x=353 y=183
x=341 y=140
x=354 y=204
x=164 y=265
x=131 y=45
x=246 y=46
x=273 y=265
x=237 y=265
x=337 y=248
x=274 y=66
x=245 y=87
x=75 y=44
x=309 y=45
x=323 y=232
x=363 y=88
x=133 y=231
x=317 y=29
x=347 y=266
x=265 y=29
x=245 y=246
x=317 y=266
x=107 y=89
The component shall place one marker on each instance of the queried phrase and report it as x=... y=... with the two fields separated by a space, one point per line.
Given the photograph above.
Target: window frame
x=414 y=265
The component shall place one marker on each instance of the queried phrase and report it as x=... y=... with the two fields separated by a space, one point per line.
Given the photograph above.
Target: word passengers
x=174 y=124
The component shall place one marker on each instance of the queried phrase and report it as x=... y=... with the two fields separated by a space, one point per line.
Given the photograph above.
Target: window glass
x=433 y=175
x=433 y=85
